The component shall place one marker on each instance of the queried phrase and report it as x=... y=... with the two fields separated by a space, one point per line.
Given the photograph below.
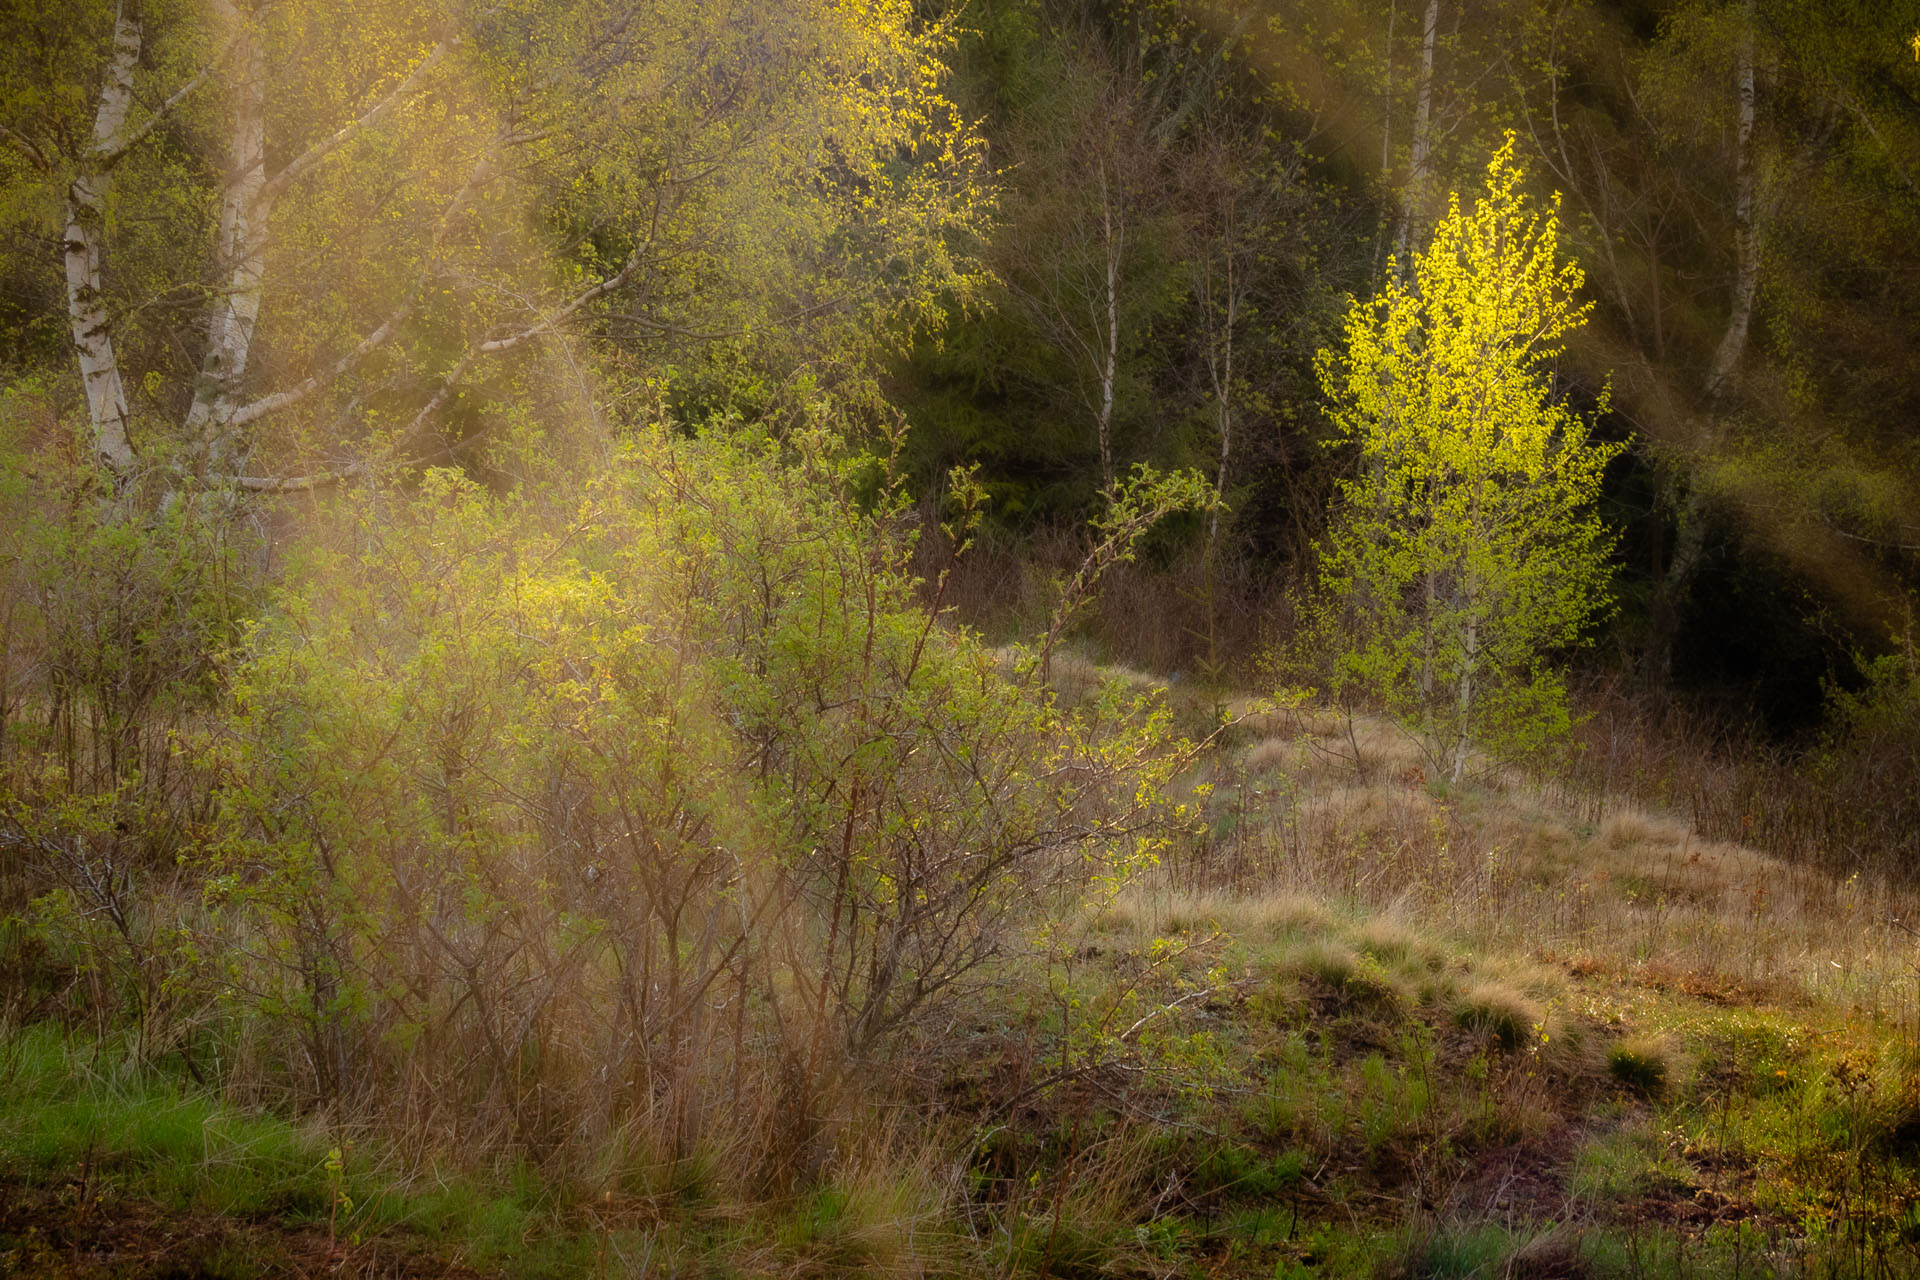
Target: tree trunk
x=1464 y=691
x=1419 y=162
x=1746 y=238
x=243 y=241
x=1114 y=240
x=1689 y=509
x=1220 y=370
x=1659 y=314
x=107 y=410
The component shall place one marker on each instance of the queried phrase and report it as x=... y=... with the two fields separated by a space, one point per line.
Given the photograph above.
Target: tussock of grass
x=1397 y=943
x=1358 y=980
x=1462 y=1253
x=1501 y=1012
x=1642 y=1063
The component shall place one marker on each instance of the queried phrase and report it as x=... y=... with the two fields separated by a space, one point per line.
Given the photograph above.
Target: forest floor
x=64 y=1232
x=1359 y=1023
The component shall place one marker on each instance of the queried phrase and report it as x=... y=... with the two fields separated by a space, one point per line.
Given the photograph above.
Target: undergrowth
x=1307 y=1012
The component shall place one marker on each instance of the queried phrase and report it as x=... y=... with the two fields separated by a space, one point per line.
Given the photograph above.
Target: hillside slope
x=1352 y=1024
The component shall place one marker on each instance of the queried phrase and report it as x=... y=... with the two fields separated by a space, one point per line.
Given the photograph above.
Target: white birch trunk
x=1420 y=159
x=1690 y=513
x=107 y=409
x=1463 y=709
x=1114 y=232
x=219 y=410
x=1386 y=108
x=1220 y=370
x=244 y=209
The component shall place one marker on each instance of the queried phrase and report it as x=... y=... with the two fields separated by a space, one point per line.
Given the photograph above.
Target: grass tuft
x=1642 y=1063
x=1500 y=1012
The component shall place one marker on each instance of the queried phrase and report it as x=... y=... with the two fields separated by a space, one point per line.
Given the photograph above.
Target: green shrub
x=515 y=801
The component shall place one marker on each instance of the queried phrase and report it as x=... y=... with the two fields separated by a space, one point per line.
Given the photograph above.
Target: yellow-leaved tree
x=1466 y=552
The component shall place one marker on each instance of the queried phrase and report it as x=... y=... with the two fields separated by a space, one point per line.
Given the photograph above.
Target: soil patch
x=58 y=1233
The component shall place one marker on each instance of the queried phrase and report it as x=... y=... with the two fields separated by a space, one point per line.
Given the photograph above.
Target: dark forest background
x=1249 y=167
x=1738 y=181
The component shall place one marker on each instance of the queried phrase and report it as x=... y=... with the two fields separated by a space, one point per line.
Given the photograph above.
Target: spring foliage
x=1467 y=551
x=641 y=802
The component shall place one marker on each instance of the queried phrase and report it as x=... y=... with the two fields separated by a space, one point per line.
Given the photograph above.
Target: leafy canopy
x=1466 y=551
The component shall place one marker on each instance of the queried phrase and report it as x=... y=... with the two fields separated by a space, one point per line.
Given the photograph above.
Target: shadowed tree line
x=1191 y=190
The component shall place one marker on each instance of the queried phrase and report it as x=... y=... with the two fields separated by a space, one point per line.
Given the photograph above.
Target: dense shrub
x=653 y=817
x=111 y=611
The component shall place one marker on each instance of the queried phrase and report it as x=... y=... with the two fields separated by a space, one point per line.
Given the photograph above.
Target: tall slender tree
x=402 y=200
x=1466 y=552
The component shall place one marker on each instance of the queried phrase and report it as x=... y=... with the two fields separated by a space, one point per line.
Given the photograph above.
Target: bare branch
x=27 y=147
x=1160 y=1010
x=254 y=410
x=495 y=346
x=304 y=163
x=322 y=479
x=268 y=404
x=112 y=155
x=347 y=471
x=1893 y=159
x=1883 y=544
x=438 y=401
x=449 y=384
x=298 y=484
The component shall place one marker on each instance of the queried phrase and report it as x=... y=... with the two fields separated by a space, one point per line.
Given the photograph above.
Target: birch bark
x=1113 y=242
x=243 y=243
x=218 y=409
x=1222 y=320
x=1420 y=159
x=86 y=203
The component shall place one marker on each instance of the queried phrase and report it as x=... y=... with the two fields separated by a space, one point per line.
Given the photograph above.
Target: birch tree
x=1466 y=551
x=1084 y=271
x=1420 y=160
x=1248 y=249
x=375 y=208
x=1746 y=234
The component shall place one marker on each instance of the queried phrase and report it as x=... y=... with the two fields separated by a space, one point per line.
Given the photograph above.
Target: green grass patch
x=69 y=1106
x=1463 y=1253
x=1624 y=1163
x=1643 y=1064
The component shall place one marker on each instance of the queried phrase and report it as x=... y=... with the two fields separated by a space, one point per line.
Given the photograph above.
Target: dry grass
x=1320 y=807
x=1853 y=811
x=1351 y=979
